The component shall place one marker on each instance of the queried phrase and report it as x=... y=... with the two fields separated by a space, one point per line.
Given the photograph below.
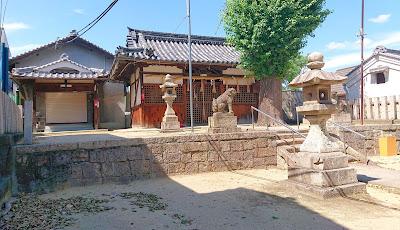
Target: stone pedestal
x=323 y=175
x=222 y=123
x=170 y=124
x=342 y=118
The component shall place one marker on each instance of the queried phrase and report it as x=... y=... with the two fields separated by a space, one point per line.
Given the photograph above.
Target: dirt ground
x=247 y=199
x=390 y=162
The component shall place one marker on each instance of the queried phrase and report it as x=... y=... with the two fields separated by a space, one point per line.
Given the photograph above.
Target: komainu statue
x=223 y=103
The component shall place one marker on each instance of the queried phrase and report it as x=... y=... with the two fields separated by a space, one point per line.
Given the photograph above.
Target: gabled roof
x=339 y=88
x=60 y=42
x=61 y=60
x=43 y=72
x=380 y=50
x=169 y=47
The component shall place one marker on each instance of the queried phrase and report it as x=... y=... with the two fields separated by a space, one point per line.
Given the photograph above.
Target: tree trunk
x=270 y=100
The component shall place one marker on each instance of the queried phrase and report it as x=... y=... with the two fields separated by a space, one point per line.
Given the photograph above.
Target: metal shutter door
x=66 y=107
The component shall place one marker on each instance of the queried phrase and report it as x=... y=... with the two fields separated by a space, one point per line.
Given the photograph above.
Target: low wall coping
x=49 y=147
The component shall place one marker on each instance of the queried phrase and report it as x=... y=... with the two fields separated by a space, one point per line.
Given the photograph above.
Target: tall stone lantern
x=170 y=121
x=320 y=167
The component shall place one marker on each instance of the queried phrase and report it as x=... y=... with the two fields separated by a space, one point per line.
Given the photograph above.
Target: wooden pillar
x=96 y=107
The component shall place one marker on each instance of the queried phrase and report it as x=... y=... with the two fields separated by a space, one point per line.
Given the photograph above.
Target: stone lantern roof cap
x=316 y=76
x=168 y=82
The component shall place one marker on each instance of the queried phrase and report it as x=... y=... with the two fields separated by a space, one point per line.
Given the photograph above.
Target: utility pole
x=190 y=66
x=362 y=62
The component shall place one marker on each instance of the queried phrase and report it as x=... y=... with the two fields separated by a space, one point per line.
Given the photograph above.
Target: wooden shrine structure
x=149 y=56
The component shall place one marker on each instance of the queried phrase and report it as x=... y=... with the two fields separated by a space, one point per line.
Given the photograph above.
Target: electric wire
x=91 y=24
x=180 y=24
x=94 y=22
x=4 y=14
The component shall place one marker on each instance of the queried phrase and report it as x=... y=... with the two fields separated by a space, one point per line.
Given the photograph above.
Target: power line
x=4 y=14
x=91 y=24
x=180 y=24
x=96 y=20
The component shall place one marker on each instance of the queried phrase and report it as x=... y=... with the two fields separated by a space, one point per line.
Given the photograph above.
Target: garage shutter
x=66 y=107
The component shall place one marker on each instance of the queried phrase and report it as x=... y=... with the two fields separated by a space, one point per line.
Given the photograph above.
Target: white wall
x=371 y=89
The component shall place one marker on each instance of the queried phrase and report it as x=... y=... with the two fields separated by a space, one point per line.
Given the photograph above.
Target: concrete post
x=376 y=108
x=392 y=108
x=27 y=92
x=398 y=107
x=368 y=101
x=384 y=108
x=356 y=109
x=28 y=121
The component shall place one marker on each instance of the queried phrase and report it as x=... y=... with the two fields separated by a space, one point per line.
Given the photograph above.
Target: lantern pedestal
x=222 y=123
x=170 y=121
x=320 y=169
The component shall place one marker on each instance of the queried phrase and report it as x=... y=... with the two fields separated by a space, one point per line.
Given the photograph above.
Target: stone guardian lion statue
x=223 y=103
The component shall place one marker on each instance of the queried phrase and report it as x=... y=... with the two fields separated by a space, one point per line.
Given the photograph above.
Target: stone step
x=290 y=149
x=282 y=136
x=323 y=178
x=288 y=141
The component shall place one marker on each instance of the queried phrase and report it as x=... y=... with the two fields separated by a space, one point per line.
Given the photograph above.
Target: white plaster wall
x=371 y=89
x=234 y=71
x=75 y=52
x=161 y=68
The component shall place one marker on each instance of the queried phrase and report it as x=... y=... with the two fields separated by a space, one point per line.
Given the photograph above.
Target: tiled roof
x=60 y=42
x=380 y=50
x=339 y=88
x=33 y=72
x=47 y=75
x=59 y=61
x=158 y=46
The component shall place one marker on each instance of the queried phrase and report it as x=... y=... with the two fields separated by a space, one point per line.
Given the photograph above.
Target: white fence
x=10 y=115
x=377 y=108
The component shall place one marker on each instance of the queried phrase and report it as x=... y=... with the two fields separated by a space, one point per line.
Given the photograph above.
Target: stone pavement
x=377 y=176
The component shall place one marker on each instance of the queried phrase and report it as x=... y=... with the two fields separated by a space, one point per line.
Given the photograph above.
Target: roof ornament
x=64 y=57
x=380 y=49
x=73 y=33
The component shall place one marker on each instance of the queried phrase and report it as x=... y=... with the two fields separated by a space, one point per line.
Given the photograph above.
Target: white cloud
x=9 y=27
x=79 y=11
x=336 y=45
x=342 y=60
x=391 y=39
x=381 y=18
x=16 y=50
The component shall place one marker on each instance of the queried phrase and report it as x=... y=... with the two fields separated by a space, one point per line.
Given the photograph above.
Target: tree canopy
x=270 y=33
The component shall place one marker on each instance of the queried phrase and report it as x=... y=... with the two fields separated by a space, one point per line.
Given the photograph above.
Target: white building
x=381 y=75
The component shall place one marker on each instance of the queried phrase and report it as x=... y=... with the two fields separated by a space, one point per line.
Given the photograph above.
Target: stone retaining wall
x=372 y=133
x=43 y=168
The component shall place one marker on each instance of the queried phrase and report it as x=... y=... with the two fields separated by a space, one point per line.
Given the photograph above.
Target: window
x=380 y=78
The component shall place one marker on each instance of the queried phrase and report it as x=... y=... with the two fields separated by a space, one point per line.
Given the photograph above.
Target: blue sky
x=30 y=24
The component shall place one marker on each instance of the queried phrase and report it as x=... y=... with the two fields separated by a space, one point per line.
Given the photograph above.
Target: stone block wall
x=372 y=133
x=43 y=168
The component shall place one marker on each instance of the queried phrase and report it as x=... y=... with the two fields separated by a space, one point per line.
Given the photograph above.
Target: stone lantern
x=317 y=103
x=320 y=167
x=170 y=121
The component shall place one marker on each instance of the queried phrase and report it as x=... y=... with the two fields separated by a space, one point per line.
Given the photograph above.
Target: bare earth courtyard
x=244 y=199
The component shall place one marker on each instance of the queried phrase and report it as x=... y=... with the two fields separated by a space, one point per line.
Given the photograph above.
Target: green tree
x=296 y=66
x=270 y=33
